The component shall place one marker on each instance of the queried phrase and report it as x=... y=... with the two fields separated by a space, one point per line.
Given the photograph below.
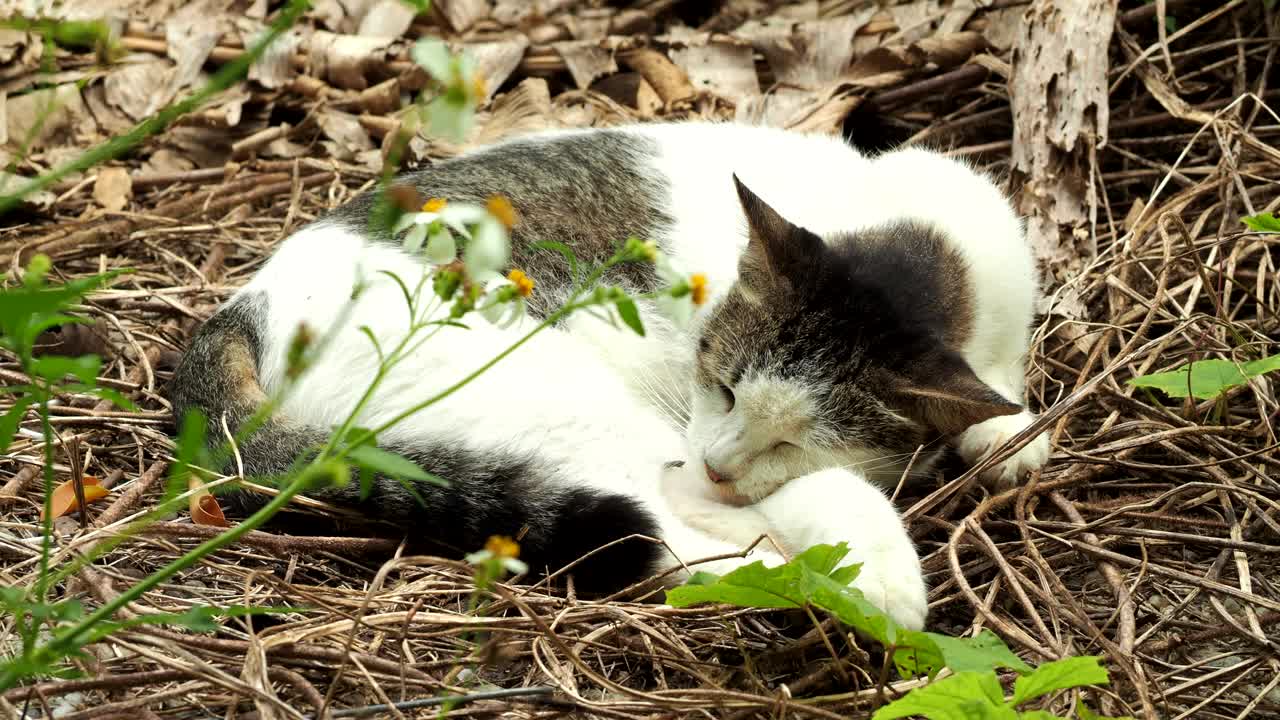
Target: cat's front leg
x=979 y=441
x=836 y=505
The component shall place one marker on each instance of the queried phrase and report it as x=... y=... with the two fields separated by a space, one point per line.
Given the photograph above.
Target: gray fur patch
x=590 y=191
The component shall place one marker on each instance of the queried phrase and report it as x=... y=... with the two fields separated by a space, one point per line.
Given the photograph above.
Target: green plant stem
x=230 y=74
x=66 y=641
x=46 y=522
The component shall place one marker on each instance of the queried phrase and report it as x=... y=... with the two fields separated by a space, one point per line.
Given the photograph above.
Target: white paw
x=892 y=581
x=984 y=438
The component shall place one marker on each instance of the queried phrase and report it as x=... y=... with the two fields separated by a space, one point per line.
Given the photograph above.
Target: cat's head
x=832 y=353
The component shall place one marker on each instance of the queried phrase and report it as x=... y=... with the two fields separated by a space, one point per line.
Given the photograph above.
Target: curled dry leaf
x=204 y=507
x=64 y=496
x=668 y=80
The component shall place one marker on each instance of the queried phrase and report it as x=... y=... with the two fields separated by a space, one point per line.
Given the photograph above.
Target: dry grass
x=1152 y=538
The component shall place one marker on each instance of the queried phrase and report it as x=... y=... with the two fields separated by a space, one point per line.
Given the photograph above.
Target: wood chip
x=113 y=188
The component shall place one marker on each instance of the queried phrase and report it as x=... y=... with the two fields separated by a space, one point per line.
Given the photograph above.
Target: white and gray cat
x=860 y=308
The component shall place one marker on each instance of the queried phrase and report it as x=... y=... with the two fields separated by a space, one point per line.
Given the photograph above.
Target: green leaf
x=1263 y=222
x=984 y=652
x=1059 y=675
x=1084 y=713
x=630 y=315
x=388 y=463
x=10 y=421
x=963 y=696
x=814 y=577
x=1206 y=379
x=55 y=367
x=564 y=250
x=1039 y=715
x=189 y=450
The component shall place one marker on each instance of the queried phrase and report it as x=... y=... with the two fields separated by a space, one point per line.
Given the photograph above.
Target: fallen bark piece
x=1060 y=113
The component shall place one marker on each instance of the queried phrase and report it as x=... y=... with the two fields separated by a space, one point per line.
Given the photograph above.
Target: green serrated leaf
x=56 y=367
x=814 y=577
x=963 y=696
x=984 y=652
x=1059 y=675
x=630 y=315
x=1206 y=379
x=1263 y=222
x=376 y=459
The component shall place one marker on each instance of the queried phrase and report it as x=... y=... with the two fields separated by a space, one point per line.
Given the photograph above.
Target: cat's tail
x=555 y=521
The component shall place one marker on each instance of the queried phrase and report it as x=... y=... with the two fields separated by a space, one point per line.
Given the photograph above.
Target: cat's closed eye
x=729 y=399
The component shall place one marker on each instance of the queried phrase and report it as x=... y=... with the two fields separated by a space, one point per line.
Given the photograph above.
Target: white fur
x=601 y=402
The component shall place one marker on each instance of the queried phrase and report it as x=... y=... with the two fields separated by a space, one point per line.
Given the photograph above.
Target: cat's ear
x=778 y=253
x=942 y=392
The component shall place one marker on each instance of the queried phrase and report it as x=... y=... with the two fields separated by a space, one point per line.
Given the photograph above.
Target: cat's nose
x=714 y=476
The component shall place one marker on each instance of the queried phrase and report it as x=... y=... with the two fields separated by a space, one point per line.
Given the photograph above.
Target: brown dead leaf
x=631 y=90
x=22 y=49
x=344 y=60
x=722 y=68
x=586 y=61
x=1060 y=109
x=76 y=339
x=347 y=136
x=809 y=54
x=113 y=188
x=274 y=68
x=496 y=60
x=42 y=115
x=110 y=120
x=165 y=161
x=41 y=200
x=134 y=87
x=461 y=14
x=64 y=496
x=387 y=19
x=515 y=12
x=190 y=35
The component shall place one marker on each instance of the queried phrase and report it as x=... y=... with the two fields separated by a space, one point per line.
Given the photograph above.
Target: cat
x=860 y=310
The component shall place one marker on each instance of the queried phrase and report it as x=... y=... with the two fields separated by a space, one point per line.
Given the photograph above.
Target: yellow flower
x=501 y=208
x=698 y=288
x=478 y=87
x=523 y=283
x=502 y=546
x=434 y=205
